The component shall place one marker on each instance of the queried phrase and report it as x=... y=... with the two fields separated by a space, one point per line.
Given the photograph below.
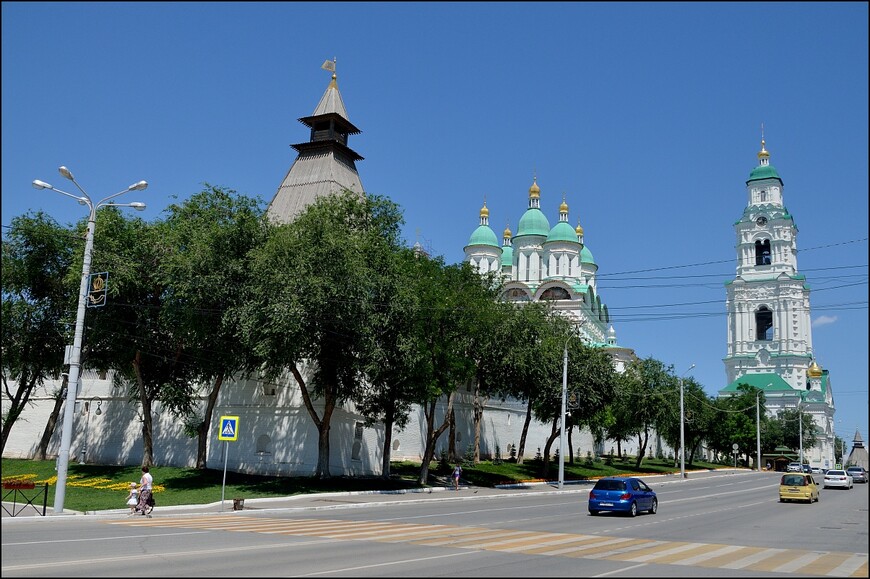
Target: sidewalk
x=344 y=500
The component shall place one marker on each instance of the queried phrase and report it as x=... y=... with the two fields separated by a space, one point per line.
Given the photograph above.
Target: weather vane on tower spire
x=329 y=65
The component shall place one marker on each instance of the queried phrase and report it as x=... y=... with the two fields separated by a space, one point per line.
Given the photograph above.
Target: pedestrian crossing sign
x=229 y=428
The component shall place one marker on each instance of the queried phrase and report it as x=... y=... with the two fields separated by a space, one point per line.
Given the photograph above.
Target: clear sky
x=646 y=116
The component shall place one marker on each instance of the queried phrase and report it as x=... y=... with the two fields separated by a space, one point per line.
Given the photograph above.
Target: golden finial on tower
x=763 y=154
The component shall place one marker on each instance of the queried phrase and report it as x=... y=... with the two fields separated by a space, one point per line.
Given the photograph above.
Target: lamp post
x=683 y=428
x=801 y=432
x=562 y=432
x=758 y=428
x=75 y=356
x=86 y=410
x=564 y=398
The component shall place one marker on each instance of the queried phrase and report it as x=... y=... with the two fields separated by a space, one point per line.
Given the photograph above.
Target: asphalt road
x=723 y=525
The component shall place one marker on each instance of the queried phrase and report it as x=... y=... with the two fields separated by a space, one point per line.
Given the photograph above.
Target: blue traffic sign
x=229 y=428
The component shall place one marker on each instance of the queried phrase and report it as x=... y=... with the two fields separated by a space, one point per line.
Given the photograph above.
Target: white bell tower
x=768 y=302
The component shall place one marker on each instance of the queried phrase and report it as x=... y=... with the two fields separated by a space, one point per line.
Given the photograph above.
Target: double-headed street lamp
x=683 y=428
x=75 y=356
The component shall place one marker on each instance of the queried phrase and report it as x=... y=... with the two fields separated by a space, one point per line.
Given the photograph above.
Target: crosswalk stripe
x=557 y=541
x=817 y=563
x=757 y=557
x=823 y=565
x=679 y=548
x=855 y=566
x=710 y=555
x=596 y=547
x=798 y=562
x=629 y=549
x=480 y=534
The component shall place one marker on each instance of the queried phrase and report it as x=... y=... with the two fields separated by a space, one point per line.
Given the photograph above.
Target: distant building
x=770 y=339
x=858 y=456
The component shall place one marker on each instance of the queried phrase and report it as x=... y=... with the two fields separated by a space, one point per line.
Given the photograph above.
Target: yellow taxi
x=798 y=486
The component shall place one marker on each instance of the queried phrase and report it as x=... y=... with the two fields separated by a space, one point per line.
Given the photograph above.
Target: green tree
x=645 y=387
x=394 y=367
x=590 y=377
x=699 y=413
x=448 y=297
x=489 y=339
x=312 y=300
x=38 y=308
x=791 y=429
x=132 y=333
x=206 y=271
x=526 y=365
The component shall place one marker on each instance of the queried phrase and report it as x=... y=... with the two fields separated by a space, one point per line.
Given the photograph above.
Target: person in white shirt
x=145 y=484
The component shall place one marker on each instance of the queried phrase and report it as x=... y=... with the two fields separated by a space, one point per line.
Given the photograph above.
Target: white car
x=838 y=478
x=793 y=467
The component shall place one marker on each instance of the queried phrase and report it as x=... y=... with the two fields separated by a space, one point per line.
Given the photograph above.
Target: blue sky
x=646 y=116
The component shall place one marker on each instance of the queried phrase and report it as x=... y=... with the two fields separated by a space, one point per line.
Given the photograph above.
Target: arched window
x=264 y=444
x=555 y=293
x=762 y=252
x=764 y=324
x=516 y=295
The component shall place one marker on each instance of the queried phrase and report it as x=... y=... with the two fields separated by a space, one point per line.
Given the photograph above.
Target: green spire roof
x=562 y=232
x=586 y=255
x=483 y=235
x=764 y=172
x=533 y=222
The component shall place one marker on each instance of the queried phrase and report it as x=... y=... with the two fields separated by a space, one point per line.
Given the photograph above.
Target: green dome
x=562 y=232
x=483 y=235
x=764 y=172
x=586 y=255
x=507 y=255
x=533 y=222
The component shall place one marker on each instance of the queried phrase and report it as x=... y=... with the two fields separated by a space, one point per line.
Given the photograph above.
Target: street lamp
x=86 y=411
x=758 y=428
x=562 y=424
x=75 y=356
x=801 y=432
x=683 y=428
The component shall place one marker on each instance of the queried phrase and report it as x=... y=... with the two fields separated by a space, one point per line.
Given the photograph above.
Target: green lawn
x=94 y=487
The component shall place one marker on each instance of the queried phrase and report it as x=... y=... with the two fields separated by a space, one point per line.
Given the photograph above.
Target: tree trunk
x=322 y=424
x=479 y=405
x=388 y=443
x=147 y=423
x=432 y=435
x=619 y=447
x=570 y=444
x=525 y=431
x=17 y=404
x=205 y=426
x=451 y=439
x=554 y=432
x=642 y=441
x=42 y=449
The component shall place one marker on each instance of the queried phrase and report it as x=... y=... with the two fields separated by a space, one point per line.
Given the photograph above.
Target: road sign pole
x=224 y=483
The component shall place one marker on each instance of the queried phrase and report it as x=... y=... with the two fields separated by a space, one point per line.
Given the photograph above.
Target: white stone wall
x=276 y=435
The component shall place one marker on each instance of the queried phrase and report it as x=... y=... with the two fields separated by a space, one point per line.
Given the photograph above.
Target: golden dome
x=484 y=212
x=814 y=371
x=563 y=208
x=763 y=154
x=534 y=190
x=507 y=232
x=579 y=230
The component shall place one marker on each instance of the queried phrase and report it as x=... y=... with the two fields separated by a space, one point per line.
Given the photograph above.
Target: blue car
x=622 y=494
